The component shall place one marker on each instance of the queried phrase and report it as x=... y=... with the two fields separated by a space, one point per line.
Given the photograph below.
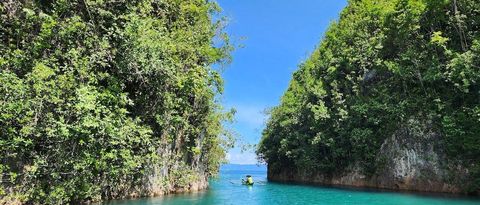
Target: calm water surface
x=228 y=190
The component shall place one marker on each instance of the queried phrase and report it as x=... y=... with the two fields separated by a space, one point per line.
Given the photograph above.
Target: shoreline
x=194 y=187
x=369 y=188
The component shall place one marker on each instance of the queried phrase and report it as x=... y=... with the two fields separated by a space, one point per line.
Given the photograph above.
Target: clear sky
x=279 y=35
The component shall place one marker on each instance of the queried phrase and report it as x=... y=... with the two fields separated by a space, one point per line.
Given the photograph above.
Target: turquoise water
x=228 y=190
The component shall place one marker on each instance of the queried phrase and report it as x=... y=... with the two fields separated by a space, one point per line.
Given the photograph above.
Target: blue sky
x=279 y=35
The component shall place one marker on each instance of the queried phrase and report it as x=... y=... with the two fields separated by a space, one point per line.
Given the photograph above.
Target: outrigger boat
x=249 y=181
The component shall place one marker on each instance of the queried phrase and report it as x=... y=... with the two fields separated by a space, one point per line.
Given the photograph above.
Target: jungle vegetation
x=95 y=94
x=383 y=63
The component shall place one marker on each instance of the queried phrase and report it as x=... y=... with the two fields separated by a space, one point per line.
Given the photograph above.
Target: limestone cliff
x=412 y=159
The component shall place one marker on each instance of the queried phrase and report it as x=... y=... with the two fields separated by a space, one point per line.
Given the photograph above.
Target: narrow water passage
x=227 y=189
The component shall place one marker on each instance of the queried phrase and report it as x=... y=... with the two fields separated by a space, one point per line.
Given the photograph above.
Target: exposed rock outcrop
x=412 y=159
x=176 y=172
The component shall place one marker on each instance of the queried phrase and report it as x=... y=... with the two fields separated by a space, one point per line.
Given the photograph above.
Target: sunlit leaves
x=438 y=39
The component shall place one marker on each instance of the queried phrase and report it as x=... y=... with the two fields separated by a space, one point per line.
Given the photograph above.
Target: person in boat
x=248 y=180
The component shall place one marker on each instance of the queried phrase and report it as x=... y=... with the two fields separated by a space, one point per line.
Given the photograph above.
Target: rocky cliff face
x=175 y=175
x=176 y=172
x=412 y=159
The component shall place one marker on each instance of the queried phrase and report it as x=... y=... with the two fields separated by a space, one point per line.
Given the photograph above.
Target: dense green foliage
x=385 y=63
x=96 y=94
